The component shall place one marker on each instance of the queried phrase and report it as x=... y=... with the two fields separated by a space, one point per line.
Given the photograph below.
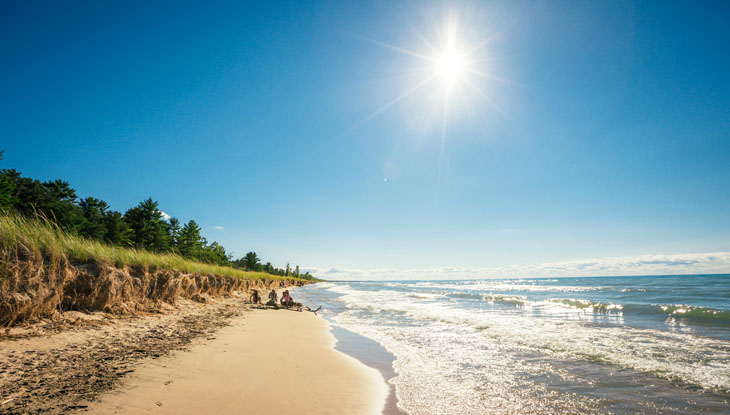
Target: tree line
x=142 y=226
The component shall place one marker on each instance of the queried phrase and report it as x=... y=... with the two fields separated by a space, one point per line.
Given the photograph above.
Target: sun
x=455 y=60
x=450 y=66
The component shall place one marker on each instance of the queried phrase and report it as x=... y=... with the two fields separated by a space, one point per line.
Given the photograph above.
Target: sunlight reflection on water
x=458 y=353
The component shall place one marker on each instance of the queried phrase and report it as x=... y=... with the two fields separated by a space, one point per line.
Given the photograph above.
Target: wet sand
x=265 y=362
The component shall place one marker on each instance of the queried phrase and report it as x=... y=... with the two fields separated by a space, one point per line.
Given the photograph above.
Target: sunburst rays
x=448 y=59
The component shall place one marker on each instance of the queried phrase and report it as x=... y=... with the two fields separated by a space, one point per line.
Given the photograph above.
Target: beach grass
x=42 y=235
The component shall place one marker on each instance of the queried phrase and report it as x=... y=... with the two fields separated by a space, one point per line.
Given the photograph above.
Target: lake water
x=613 y=345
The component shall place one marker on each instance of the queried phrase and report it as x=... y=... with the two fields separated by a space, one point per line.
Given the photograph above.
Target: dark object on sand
x=255 y=299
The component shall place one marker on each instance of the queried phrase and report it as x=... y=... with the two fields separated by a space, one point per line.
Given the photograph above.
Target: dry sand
x=52 y=367
x=265 y=362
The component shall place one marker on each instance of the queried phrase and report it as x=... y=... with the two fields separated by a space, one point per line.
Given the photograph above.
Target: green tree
x=174 y=231
x=252 y=261
x=94 y=212
x=60 y=203
x=7 y=193
x=190 y=243
x=117 y=230
x=214 y=254
x=7 y=190
x=54 y=200
x=25 y=191
x=149 y=230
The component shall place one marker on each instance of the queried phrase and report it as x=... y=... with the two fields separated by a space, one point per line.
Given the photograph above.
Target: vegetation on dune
x=45 y=270
x=57 y=244
x=87 y=229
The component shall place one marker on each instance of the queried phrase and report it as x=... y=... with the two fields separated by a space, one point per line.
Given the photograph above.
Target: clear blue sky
x=607 y=132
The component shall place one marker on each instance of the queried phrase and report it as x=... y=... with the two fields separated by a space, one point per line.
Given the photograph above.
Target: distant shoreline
x=538 y=278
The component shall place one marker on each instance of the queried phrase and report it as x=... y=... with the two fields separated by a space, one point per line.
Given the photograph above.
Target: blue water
x=613 y=345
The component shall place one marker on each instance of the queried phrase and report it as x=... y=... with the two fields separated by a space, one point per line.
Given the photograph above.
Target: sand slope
x=266 y=362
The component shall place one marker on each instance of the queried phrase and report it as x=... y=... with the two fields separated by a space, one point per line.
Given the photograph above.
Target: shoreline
x=371 y=354
x=368 y=351
x=253 y=365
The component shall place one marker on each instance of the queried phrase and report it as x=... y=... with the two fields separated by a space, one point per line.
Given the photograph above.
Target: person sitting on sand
x=272 y=297
x=286 y=299
x=255 y=297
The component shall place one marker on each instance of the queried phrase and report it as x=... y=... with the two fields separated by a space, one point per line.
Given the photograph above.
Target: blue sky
x=606 y=132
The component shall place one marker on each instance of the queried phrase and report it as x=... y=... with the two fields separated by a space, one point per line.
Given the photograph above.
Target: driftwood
x=294 y=307
x=313 y=311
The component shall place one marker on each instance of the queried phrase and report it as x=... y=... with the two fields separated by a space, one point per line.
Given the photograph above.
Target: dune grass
x=39 y=235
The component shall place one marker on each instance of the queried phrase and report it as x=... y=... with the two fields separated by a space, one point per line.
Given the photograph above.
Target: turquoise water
x=613 y=345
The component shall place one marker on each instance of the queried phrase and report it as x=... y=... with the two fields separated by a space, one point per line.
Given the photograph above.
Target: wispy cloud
x=165 y=215
x=218 y=228
x=658 y=264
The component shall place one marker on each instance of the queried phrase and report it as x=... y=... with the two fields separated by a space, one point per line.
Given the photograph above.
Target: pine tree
x=252 y=261
x=117 y=230
x=190 y=243
x=7 y=190
x=174 y=231
x=94 y=212
x=149 y=230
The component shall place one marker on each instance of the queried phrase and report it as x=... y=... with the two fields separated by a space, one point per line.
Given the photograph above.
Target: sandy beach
x=265 y=362
x=224 y=357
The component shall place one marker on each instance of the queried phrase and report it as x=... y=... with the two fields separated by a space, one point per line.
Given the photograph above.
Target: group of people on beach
x=286 y=299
